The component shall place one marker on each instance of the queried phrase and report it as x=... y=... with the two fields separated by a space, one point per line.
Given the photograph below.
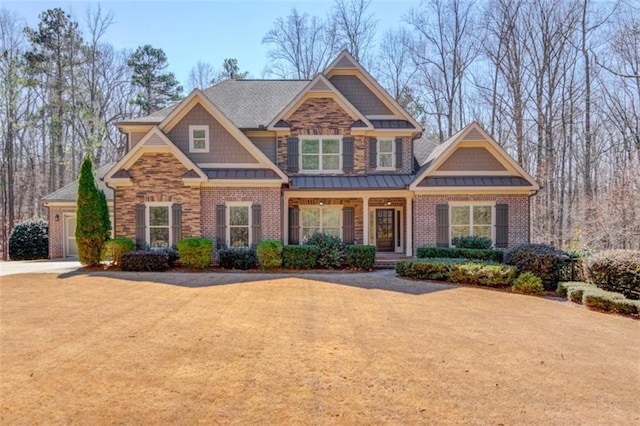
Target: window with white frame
x=198 y=138
x=385 y=154
x=473 y=219
x=238 y=224
x=320 y=219
x=320 y=153
x=159 y=225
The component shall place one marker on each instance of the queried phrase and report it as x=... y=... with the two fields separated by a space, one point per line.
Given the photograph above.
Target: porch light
x=57 y=217
x=321 y=203
x=388 y=202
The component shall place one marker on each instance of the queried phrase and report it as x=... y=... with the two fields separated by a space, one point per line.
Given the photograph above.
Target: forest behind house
x=557 y=83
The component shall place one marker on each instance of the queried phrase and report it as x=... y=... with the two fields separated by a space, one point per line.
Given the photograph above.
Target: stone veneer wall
x=324 y=116
x=157 y=177
x=56 y=230
x=425 y=216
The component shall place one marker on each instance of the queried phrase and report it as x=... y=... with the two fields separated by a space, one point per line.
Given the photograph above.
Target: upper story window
x=198 y=138
x=385 y=154
x=474 y=219
x=321 y=154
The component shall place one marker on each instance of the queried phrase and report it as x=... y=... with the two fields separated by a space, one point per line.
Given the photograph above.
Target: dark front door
x=384 y=229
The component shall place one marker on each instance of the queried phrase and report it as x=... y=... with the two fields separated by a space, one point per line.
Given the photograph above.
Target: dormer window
x=198 y=138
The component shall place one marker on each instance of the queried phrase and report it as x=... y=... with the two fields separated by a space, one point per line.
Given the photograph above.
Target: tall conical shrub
x=91 y=230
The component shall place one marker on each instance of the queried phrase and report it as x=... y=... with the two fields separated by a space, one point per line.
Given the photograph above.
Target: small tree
x=93 y=225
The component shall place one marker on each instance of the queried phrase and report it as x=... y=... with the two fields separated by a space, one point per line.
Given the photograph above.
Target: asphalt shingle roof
x=69 y=192
x=249 y=104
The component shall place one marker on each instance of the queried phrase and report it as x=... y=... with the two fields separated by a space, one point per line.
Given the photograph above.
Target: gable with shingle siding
x=223 y=147
x=359 y=95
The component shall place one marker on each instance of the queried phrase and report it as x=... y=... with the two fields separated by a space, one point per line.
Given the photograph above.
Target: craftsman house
x=249 y=160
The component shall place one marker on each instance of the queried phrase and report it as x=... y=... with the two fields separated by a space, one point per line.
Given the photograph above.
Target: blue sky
x=201 y=30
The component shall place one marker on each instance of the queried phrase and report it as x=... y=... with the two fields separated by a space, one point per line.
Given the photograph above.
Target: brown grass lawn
x=93 y=349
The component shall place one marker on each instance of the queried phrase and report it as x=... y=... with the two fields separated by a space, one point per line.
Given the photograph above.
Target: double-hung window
x=320 y=219
x=238 y=224
x=385 y=154
x=159 y=228
x=198 y=138
x=475 y=219
x=320 y=153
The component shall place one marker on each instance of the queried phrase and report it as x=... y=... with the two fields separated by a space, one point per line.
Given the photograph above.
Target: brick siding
x=425 y=215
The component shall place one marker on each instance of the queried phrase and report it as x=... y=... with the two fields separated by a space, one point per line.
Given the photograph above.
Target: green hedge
x=195 y=252
x=144 y=261
x=464 y=253
x=238 y=258
x=615 y=270
x=360 y=257
x=598 y=299
x=112 y=250
x=330 y=250
x=269 y=254
x=458 y=271
x=542 y=260
x=527 y=283
x=29 y=240
x=300 y=257
x=472 y=242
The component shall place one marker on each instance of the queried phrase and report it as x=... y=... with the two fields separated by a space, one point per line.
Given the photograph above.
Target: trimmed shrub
x=330 y=250
x=195 y=252
x=615 y=270
x=269 y=254
x=527 y=283
x=458 y=271
x=453 y=252
x=597 y=298
x=360 y=256
x=238 y=258
x=544 y=261
x=112 y=250
x=601 y=300
x=472 y=242
x=29 y=240
x=144 y=261
x=300 y=257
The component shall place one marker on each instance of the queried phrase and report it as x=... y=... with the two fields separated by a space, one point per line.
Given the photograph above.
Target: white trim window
x=238 y=224
x=198 y=138
x=471 y=219
x=327 y=219
x=386 y=154
x=321 y=154
x=158 y=225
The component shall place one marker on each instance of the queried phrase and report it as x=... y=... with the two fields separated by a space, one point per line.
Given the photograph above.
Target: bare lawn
x=91 y=349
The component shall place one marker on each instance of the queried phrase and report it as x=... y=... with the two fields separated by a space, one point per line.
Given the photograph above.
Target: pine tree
x=156 y=89
x=91 y=228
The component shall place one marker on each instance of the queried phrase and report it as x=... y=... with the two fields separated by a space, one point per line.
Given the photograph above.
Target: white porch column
x=409 y=222
x=365 y=220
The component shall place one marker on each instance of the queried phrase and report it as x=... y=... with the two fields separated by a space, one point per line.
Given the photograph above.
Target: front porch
x=379 y=218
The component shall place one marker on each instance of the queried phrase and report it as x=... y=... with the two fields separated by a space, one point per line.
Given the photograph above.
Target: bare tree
x=444 y=47
x=302 y=46
x=355 y=27
x=201 y=76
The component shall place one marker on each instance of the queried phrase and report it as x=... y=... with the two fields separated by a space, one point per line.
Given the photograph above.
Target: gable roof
x=69 y=192
x=249 y=104
x=320 y=85
x=153 y=141
x=441 y=153
x=345 y=61
x=197 y=96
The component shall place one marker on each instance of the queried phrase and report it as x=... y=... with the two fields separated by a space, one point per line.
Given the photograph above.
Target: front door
x=384 y=229
x=71 y=249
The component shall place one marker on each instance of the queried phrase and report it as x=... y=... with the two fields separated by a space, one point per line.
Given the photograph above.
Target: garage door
x=70 y=249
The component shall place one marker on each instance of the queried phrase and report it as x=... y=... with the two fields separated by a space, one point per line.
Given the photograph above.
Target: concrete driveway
x=38 y=266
